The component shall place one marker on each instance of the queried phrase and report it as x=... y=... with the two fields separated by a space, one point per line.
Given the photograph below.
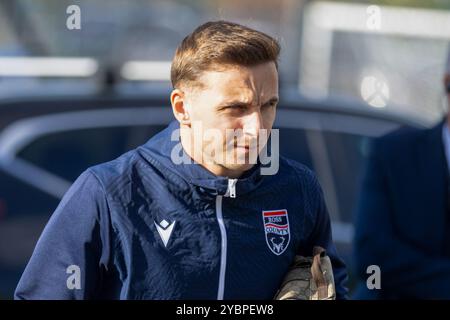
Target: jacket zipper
x=231 y=192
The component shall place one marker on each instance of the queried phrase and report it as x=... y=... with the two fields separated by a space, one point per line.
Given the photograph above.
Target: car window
x=13 y=192
x=24 y=211
x=337 y=159
x=294 y=145
x=348 y=153
x=68 y=153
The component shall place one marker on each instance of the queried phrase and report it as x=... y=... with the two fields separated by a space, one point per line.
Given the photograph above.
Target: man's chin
x=239 y=167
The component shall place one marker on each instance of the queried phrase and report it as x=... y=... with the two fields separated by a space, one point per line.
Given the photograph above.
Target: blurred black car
x=46 y=143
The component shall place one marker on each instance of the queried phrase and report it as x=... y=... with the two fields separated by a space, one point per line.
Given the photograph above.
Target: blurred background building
x=349 y=71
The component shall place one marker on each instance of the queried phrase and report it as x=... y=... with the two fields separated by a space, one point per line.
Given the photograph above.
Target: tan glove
x=309 y=278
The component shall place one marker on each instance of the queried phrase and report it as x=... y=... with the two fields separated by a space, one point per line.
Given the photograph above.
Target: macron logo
x=165 y=230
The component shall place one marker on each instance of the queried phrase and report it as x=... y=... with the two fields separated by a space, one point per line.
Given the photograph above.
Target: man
x=150 y=225
x=403 y=220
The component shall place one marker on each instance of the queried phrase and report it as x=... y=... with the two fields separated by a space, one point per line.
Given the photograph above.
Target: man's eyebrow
x=237 y=103
x=233 y=104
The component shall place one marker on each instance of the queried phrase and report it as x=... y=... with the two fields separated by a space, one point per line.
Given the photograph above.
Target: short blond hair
x=219 y=43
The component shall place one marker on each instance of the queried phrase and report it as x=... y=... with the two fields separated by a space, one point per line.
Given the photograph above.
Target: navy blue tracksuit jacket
x=142 y=227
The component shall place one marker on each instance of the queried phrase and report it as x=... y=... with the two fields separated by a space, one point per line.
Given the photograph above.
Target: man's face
x=240 y=98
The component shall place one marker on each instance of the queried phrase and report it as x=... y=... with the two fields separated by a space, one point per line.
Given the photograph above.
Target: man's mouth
x=246 y=148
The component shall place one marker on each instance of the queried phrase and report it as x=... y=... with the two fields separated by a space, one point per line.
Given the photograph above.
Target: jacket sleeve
x=405 y=269
x=321 y=236
x=72 y=251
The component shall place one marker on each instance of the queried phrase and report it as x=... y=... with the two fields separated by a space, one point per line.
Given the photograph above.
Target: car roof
x=13 y=109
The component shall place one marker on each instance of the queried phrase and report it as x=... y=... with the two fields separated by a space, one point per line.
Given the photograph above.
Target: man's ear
x=180 y=107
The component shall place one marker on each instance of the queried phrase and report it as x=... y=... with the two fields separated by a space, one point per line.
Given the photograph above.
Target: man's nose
x=253 y=123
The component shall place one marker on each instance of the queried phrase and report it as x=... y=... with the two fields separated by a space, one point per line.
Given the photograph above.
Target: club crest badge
x=276 y=228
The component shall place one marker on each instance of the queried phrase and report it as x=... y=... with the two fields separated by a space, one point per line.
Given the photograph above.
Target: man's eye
x=270 y=105
x=236 y=107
